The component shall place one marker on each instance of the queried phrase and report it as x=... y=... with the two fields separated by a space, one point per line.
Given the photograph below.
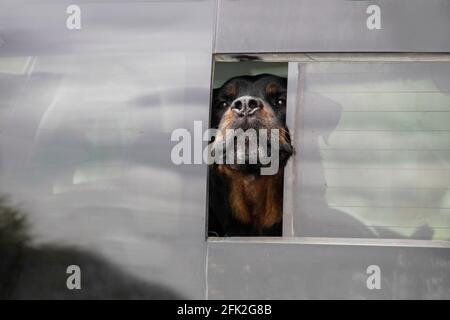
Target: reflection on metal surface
x=30 y=272
x=85 y=123
x=298 y=271
x=250 y=26
x=85 y=133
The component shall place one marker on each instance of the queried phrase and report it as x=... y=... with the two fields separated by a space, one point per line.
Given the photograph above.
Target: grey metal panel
x=86 y=119
x=244 y=270
x=245 y=26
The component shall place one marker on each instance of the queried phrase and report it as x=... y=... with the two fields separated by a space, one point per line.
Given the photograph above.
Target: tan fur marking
x=231 y=90
x=271 y=89
x=257 y=201
x=225 y=123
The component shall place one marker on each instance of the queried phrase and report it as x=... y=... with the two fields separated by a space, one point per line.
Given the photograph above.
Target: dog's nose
x=246 y=106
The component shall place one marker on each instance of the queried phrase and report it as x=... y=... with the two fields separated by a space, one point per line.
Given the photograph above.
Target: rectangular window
x=374 y=150
x=248 y=103
x=371 y=134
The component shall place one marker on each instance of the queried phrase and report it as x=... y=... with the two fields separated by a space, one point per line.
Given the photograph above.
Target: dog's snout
x=246 y=106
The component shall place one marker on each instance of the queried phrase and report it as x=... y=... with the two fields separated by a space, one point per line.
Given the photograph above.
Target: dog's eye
x=223 y=104
x=281 y=102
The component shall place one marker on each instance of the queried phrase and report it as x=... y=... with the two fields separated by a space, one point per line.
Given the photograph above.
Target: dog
x=242 y=201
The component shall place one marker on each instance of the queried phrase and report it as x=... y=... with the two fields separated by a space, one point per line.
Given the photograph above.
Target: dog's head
x=253 y=102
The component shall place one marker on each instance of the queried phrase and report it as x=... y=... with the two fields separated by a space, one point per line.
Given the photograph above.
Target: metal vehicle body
x=86 y=118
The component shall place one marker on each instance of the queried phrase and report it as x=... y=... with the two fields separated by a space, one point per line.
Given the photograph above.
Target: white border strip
x=335 y=241
x=336 y=57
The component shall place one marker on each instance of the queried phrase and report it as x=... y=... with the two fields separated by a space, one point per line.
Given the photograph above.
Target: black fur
x=221 y=221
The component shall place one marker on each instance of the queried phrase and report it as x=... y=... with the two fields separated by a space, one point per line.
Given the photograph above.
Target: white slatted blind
x=373 y=141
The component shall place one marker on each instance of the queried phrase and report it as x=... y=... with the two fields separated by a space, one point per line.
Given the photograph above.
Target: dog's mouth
x=247 y=122
x=252 y=136
x=251 y=149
